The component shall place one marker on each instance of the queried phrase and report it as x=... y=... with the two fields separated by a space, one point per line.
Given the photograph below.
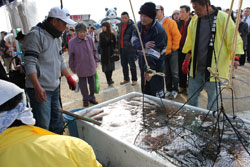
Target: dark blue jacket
x=155 y=33
x=126 y=37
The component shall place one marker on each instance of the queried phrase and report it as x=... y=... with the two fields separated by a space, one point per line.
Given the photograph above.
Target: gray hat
x=80 y=26
x=176 y=12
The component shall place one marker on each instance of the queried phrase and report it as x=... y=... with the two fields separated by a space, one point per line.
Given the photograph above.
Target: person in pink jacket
x=83 y=60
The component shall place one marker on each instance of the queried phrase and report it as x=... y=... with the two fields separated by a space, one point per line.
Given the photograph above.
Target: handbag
x=97 y=84
x=115 y=57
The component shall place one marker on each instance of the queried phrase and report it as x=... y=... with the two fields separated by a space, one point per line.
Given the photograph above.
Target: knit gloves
x=185 y=66
x=71 y=82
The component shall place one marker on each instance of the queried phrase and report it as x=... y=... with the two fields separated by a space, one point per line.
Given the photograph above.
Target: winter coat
x=128 y=32
x=43 y=56
x=173 y=33
x=83 y=56
x=107 y=46
x=224 y=62
x=157 y=34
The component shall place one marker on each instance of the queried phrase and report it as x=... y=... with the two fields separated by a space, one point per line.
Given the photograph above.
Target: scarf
x=50 y=29
x=20 y=112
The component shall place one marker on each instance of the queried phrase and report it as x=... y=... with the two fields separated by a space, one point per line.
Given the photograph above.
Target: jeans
x=193 y=90
x=171 y=71
x=128 y=59
x=46 y=113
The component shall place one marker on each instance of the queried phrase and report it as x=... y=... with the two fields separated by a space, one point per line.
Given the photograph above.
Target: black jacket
x=127 y=45
x=243 y=30
x=107 y=45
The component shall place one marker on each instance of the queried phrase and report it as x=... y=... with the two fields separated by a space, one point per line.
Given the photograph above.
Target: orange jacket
x=174 y=35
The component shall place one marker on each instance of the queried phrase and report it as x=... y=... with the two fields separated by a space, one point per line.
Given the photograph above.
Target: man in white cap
x=44 y=64
x=34 y=146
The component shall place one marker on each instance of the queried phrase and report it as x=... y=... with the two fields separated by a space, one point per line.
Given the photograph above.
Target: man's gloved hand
x=236 y=62
x=71 y=82
x=185 y=66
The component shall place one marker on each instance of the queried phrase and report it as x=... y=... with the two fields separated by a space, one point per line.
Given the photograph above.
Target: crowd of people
x=182 y=47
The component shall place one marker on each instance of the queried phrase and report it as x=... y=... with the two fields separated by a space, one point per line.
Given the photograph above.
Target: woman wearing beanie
x=107 y=45
x=83 y=60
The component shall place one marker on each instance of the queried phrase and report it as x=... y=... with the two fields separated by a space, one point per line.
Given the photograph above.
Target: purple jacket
x=83 y=56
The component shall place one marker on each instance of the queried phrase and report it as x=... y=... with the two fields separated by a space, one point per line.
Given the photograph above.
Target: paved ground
x=241 y=87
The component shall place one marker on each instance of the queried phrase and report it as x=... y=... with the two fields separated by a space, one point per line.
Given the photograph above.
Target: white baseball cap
x=8 y=90
x=61 y=14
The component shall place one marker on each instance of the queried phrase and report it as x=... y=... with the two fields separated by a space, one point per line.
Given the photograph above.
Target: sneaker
x=93 y=101
x=85 y=104
x=134 y=83
x=124 y=82
x=174 y=94
x=167 y=93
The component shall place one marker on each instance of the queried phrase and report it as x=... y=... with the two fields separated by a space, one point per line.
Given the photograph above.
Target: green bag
x=97 y=84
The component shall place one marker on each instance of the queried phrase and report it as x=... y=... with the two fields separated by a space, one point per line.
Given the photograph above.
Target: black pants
x=128 y=59
x=248 y=48
x=171 y=71
x=243 y=58
x=182 y=76
x=109 y=76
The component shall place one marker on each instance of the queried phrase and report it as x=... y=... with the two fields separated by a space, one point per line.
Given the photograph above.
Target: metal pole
x=61 y=3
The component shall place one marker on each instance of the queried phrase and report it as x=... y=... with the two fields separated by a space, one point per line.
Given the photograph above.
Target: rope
x=235 y=41
x=151 y=72
x=228 y=82
x=224 y=34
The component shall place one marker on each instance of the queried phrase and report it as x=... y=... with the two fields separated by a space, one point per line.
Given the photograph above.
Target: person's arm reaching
x=70 y=80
